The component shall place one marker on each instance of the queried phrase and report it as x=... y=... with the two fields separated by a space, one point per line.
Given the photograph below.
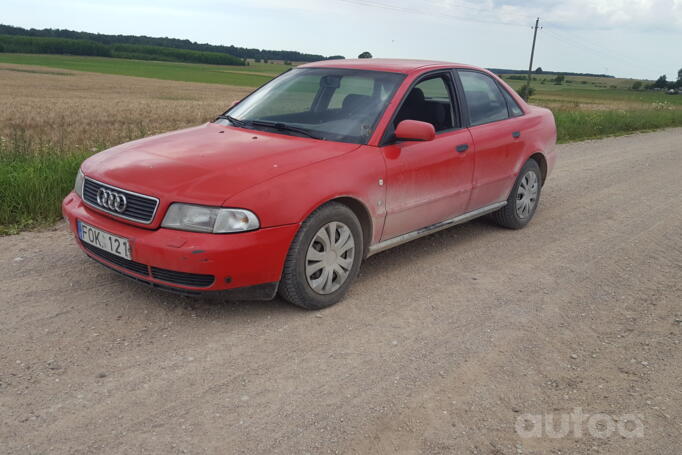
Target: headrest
x=416 y=96
x=354 y=102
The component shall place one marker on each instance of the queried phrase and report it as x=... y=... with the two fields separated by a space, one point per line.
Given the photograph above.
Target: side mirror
x=414 y=130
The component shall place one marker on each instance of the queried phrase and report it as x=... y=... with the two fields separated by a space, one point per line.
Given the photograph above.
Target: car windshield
x=341 y=105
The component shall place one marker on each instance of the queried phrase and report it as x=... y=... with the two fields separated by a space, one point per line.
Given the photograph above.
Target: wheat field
x=51 y=120
x=48 y=109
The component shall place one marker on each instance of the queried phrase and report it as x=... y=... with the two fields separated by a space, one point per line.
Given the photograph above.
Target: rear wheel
x=324 y=258
x=523 y=199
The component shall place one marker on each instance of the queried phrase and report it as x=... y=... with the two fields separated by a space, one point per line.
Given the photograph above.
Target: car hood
x=206 y=164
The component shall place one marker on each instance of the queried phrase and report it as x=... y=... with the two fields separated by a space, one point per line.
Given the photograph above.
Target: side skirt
x=404 y=238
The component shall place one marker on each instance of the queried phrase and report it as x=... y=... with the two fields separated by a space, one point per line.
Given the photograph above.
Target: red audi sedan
x=291 y=188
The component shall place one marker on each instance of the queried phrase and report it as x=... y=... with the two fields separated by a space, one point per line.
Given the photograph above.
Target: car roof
x=386 y=64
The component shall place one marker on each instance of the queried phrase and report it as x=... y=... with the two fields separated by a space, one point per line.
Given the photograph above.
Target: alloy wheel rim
x=329 y=258
x=527 y=195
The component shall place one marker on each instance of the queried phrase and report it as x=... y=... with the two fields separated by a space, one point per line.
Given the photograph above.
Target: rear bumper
x=240 y=266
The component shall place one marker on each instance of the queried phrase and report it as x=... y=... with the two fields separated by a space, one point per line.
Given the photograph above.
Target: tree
x=538 y=70
x=559 y=79
x=526 y=92
x=637 y=85
x=661 y=82
x=365 y=54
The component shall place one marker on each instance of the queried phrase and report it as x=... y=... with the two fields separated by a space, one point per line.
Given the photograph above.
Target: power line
x=599 y=48
x=565 y=40
x=569 y=41
x=486 y=10
x=428 y=13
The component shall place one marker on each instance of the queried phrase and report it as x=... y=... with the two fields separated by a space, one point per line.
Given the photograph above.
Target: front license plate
x=105 y=241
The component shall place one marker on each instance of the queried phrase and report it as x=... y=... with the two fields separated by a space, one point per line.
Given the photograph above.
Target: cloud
x=640 y=15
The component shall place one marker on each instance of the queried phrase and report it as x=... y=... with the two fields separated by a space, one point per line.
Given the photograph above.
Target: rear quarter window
x=514 y=108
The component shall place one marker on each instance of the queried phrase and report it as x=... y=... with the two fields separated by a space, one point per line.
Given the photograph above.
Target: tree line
x=539 y=70
x=36 y=45
x=663 y=83
x=174 y=43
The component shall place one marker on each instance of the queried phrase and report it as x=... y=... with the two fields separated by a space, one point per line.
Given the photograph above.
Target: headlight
x=78 y=187
x=198 y=218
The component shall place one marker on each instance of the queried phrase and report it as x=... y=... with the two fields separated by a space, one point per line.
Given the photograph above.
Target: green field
x=254 y=75
x=56 y=110
x=594 y=107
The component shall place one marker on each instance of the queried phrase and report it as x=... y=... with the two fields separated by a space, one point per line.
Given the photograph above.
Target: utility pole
x=532 y=54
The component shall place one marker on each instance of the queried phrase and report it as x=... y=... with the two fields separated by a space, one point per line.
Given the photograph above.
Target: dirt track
x=439 y=347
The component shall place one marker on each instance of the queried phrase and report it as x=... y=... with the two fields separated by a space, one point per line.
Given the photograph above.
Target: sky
x=625 y=38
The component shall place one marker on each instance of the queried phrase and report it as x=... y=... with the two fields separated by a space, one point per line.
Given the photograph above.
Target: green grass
x=603 y=96
x=594 y=109
x=594 y=92
x=580 y=125
x=253 y=75
x=32 y=186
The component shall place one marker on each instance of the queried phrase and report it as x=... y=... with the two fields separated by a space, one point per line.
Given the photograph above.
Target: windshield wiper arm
x=234 y=121
x=275 y=125
x=284 y=127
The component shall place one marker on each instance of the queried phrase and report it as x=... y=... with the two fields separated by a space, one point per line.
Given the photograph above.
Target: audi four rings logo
x=111 y=200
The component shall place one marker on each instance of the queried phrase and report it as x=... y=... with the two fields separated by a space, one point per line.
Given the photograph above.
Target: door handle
x=462 y=148
x=516 y=134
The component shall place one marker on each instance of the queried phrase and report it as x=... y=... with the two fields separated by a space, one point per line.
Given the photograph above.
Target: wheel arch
x=542 y=163
x=360 y=210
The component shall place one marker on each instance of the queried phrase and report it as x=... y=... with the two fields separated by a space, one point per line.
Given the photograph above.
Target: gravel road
x=441 y=346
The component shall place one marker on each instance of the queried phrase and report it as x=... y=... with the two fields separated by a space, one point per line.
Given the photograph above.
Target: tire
x=523 y=199
x=312 y=259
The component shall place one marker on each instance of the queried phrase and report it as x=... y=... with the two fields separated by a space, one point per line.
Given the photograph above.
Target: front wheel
x=324 y=258
x=523 y=199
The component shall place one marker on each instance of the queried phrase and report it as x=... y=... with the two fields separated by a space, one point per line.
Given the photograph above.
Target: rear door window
x=484 y=99
x=351 y=85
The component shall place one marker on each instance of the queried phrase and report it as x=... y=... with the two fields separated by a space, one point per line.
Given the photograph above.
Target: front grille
x=186 y=279
x=133 y=266
x=139 y=207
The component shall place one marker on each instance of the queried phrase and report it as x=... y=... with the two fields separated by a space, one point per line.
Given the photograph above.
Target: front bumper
x=243 y=266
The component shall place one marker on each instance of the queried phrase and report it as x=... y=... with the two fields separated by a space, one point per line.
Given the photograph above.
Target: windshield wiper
x=283 y=127
x=234 y=121
x=275 y=125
